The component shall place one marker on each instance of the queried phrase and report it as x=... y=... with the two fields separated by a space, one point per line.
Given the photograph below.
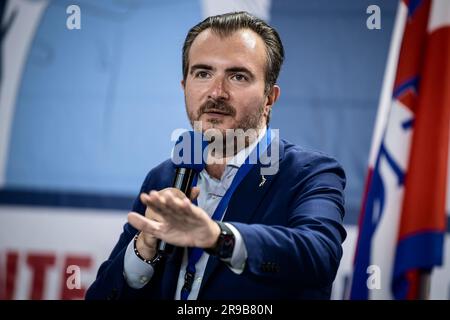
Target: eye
x=202 y=75
x=239 y=77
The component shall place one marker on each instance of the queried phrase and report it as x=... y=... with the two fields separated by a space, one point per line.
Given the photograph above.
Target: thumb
x=136 y=220
x=194 y=193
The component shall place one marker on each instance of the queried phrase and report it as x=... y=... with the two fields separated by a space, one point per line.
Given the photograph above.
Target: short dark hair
x=228 y=23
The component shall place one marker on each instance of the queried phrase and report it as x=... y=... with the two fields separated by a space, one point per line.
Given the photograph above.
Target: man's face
x=224 y=87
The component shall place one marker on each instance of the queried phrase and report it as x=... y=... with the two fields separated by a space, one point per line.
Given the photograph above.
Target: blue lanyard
x=196 y=253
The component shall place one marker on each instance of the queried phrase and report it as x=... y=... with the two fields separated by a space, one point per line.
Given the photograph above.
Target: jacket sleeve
x=110 y=283
x=307 y=251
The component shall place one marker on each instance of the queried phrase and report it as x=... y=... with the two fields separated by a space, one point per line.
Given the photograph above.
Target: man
x=273 y=236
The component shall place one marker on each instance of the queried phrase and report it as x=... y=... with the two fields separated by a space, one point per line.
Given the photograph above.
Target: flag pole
x=424 y=285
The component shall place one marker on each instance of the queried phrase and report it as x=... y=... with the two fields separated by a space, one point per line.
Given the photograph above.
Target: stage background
x=85 y=114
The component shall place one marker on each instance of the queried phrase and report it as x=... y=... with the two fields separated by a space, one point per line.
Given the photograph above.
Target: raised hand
x=171 y=217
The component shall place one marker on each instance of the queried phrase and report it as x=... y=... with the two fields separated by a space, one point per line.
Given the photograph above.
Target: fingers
x=194 y=193
x=141 y=223
x=175 y=211
x=167 y=205
x=153 y=215
x=177 y=205
x=149 y=199
x=173 y=191
x=154 y=206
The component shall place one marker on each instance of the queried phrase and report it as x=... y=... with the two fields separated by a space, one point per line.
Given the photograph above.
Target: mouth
x=216 y=113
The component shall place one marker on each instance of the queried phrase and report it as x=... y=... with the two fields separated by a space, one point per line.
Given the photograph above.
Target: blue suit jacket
x=291 y=226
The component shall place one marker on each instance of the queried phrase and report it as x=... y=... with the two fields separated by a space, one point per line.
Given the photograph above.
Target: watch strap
x=225 y=243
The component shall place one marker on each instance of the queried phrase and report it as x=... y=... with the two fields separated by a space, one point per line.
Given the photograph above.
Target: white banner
x=53 y=253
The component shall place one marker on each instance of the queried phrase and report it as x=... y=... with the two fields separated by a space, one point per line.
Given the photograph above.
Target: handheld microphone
x=187 y=157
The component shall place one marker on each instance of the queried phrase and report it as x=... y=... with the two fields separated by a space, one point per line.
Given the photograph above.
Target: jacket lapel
x=170 y=274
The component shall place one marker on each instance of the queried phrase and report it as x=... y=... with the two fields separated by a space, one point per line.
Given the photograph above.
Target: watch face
x=227 y=246
x=228 y=240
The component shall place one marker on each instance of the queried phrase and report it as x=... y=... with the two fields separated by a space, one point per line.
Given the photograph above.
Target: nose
x=219 y=90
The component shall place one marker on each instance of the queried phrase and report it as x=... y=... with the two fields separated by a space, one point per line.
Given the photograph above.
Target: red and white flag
x=403 y=217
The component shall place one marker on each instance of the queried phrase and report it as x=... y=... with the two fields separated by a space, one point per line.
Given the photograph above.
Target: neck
x=216 y=170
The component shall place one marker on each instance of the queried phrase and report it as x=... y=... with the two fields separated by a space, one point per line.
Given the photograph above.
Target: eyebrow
x=232 y=69
x=200 y=66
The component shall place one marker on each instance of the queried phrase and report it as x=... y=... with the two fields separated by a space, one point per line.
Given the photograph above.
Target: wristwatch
x=224 y=246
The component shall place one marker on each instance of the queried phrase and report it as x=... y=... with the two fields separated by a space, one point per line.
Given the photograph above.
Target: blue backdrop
x=96 y=106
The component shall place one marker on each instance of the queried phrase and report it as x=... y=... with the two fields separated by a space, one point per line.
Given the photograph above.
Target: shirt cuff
x=239 y=256
x=136 y=272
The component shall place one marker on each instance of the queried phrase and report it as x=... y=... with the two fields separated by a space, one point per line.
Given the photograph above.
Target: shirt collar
x=240 y=157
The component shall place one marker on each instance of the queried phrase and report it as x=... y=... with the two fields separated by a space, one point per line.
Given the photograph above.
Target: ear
x=274 y=94
x=182 y=84
x=272 y=97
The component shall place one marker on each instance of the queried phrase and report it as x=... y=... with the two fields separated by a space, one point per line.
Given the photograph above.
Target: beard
x=249 y=123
